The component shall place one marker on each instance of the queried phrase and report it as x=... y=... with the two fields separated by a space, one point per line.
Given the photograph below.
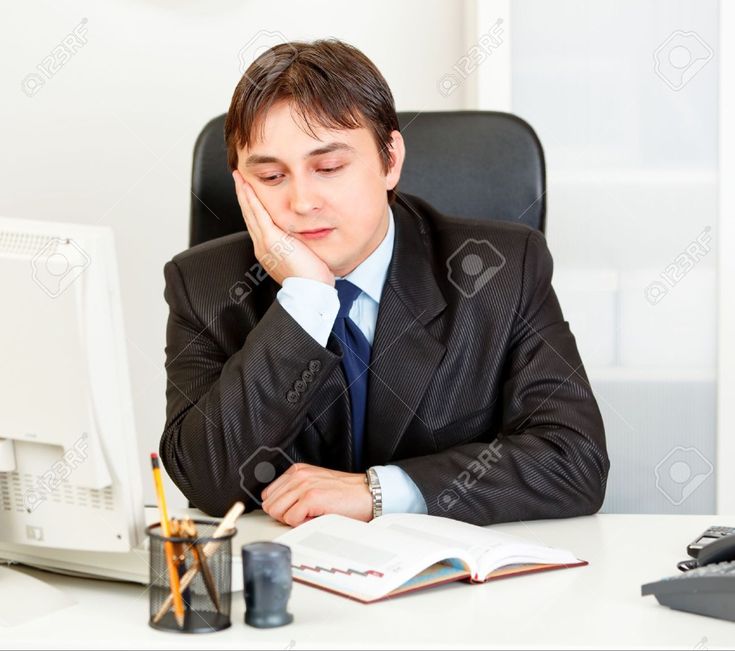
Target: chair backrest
x=479 y=164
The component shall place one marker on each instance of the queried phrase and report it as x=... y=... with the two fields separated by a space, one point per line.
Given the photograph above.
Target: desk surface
x=597 y=605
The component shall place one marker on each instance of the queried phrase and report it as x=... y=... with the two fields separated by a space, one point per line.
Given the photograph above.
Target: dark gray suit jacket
x=476 y=387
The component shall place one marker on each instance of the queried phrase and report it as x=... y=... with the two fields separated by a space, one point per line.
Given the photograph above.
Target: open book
x=402 y=552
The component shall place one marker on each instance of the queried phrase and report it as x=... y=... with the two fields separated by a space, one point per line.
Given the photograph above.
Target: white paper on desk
x=28 y=598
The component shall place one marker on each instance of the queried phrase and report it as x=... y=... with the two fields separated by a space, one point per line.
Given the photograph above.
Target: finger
x=247 y=212
x=303 y=510
x=277 y=506
x=276 y=491
x=260 y=214
x=284 y=478
x=296 y=515
x=247 y=217
x=277 y=486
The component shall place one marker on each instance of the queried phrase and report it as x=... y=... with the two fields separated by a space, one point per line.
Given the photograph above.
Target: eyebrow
x=259 y=159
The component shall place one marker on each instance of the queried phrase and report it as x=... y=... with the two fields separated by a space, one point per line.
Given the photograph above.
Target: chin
x=337 y=267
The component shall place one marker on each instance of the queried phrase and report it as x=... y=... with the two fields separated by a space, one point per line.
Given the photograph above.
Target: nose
x=304 y=199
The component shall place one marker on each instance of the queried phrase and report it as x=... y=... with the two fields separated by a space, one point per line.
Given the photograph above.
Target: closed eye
x=329 y=170
x=322 y=170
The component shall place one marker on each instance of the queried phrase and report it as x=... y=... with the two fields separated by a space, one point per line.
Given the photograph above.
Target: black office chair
x=479 y=164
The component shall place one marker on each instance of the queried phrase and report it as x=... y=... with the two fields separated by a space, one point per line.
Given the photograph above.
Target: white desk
x=598 y=605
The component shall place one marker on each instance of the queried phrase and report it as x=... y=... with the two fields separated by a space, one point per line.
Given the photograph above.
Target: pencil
x=179 y=549
x=173 y=572
x=207 y=575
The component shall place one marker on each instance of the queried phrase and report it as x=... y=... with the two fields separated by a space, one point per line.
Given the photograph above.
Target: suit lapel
x=404 y=353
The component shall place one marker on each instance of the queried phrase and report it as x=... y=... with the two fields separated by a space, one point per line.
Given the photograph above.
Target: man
x=356 y=352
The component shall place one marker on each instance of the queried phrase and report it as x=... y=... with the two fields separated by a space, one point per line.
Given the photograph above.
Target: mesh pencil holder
x=206 y=587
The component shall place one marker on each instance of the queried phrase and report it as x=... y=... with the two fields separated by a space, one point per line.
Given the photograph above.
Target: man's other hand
x=304 y=492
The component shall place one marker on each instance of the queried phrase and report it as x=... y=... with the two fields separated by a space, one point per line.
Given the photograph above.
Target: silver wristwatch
x=371 y=479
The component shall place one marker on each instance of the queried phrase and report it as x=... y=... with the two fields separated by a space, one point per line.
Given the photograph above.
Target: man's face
x=334 y=181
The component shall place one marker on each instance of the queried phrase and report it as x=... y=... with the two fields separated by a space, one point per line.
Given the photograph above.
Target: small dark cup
x=267 y=580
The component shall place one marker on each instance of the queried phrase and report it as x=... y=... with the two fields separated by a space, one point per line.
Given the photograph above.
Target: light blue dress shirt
x=314 y=306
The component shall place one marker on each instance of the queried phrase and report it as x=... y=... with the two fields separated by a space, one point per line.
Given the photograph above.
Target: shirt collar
x=371 y=273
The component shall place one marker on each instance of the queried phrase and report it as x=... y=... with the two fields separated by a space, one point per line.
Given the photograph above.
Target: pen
x=173 y=572
x=206 y=571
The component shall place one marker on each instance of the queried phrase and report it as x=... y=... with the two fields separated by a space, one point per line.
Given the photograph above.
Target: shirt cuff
x=400 y=494
x=312 y=304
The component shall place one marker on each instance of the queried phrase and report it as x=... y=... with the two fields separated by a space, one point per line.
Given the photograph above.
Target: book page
x=442 y=572
x=524 y=554
x=489 y=549
x=352 y=557
x=445 y=531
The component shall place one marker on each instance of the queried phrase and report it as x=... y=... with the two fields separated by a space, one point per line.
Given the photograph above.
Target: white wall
x=726 y=343
x=108 y=138
x=631 y=153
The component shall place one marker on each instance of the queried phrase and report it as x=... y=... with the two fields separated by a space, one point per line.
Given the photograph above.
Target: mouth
x=317 y=233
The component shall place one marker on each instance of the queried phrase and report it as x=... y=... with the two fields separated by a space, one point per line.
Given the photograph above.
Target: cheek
x=356 y=229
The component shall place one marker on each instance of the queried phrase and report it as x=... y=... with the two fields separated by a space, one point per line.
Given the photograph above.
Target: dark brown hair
x=327 y=82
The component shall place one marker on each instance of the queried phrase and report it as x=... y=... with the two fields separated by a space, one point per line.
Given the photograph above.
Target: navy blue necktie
x=355 y=361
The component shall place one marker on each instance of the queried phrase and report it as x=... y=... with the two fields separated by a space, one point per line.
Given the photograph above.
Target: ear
x=397 y=150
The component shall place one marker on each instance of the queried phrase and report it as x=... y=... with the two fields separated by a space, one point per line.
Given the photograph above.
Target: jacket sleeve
x=549 y=458
x=222 y=411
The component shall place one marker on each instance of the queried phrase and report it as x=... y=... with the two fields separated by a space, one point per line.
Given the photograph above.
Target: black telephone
x=707 y=587
x=711 y=535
